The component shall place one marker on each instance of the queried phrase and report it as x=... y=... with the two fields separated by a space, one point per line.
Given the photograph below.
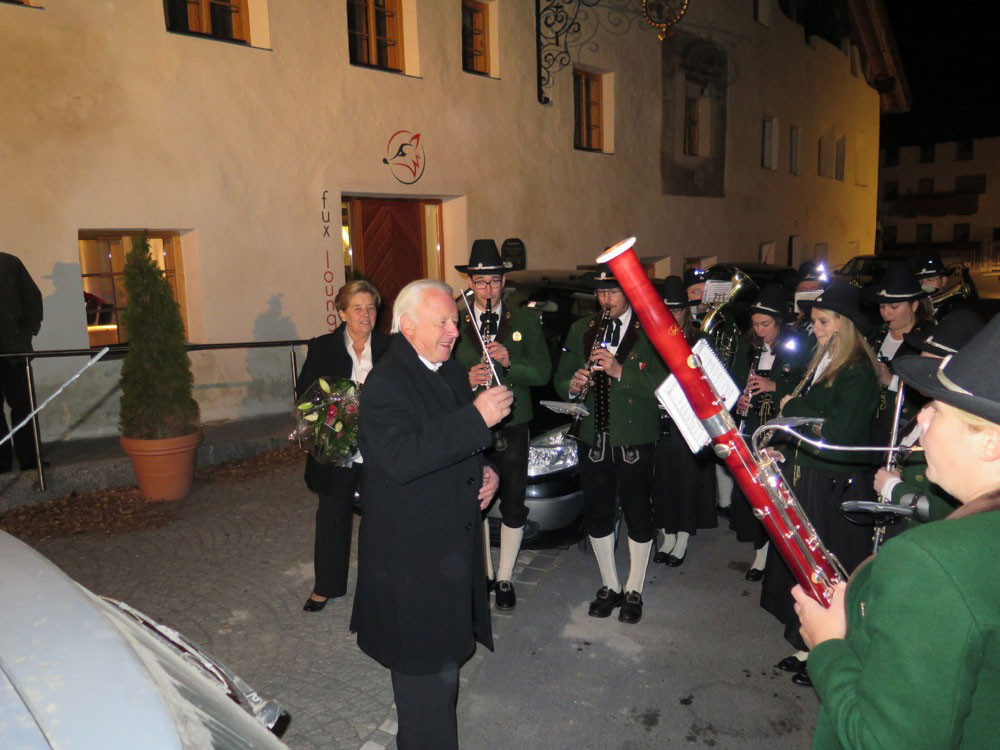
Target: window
x=587 y=109
x=927 y=153
x=769 y=143
x=475 y=37
x=794 y=151
x=889 y=235
x=970 y=183
x=996 y=234
x=696 y=119
x=925 y=186
x=222 y=19
x=841 y=157
x=102 y=264
x=960 y=232
x=891 y=156
x=766 y=252
x=924 y=233
x=891 y=190
x=374 y=33
x=762 y=11
x=963 y=150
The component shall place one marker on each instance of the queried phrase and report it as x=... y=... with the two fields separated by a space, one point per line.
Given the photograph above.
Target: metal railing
x=117 y=352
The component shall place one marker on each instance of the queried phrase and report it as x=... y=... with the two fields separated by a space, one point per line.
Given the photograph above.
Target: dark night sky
x=951 y=56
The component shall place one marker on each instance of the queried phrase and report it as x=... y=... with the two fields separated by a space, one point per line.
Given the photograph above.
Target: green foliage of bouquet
x=326 y=421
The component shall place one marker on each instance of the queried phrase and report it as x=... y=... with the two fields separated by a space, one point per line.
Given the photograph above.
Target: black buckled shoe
x=802 y=678
x=791 y=664
x=506 y=599
x=675 y=562
x=605 y=602
x=631 y=611
x=660 y=557
x=753 y=575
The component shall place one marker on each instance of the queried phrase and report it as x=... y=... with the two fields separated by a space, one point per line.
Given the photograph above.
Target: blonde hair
x=409 y=297
x=358 y=286
x=850 y=347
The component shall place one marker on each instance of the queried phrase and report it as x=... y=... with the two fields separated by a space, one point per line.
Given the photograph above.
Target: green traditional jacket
x=920 y=666
x=792 y=352
x=847 y=404
x=915 y=482
x=521 y=332
x=634 y=417
x=912 y=402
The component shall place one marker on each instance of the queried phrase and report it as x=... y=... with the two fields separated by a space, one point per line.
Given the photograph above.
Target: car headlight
x=551 y=452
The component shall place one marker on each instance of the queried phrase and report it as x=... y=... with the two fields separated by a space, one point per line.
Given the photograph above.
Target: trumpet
x=599 y=341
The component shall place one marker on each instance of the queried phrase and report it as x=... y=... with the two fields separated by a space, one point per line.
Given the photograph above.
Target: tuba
x=720 y=324
x=961 y=291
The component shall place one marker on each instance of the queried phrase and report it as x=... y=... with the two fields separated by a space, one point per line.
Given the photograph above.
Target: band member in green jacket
x=908 y=653
x=517 y=347
x=616 y=440
x=841 y=388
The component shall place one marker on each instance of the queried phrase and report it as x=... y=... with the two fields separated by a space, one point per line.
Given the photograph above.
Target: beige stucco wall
x=112 y=122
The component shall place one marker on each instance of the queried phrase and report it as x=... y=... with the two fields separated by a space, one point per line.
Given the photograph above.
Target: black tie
x=616 y=325
x=489 y=323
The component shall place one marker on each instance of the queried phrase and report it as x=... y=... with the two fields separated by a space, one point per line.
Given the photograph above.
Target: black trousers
x=512 y=463
x=14 y=392
x=612 y=475
x=425 y=710
x=334 y=523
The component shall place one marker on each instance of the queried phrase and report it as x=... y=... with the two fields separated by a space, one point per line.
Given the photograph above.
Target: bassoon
x=773 y=503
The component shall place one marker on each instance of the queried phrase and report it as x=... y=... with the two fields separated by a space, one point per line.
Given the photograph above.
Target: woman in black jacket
x=347 y=353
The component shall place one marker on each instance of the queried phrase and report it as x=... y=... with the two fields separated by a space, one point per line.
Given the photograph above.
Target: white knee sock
x=604 y=551
x=761 y=557
x=667 y=542
x=487 y=548
x=639 y=559
x=682 y=544
x=801 y=655
x=723 y=486
x=510 y=545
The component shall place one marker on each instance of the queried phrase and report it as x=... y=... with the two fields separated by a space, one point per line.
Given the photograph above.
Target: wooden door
x=389 y=247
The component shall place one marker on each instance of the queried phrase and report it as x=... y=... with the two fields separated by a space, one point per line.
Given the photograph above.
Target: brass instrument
x=600 y=337
x=720 y=324
x=961 y=291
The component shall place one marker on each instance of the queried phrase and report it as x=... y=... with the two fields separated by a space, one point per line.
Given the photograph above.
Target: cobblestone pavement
x=232 y=572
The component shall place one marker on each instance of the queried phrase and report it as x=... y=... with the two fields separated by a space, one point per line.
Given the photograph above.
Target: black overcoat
x=421 y=600
x=327 y=357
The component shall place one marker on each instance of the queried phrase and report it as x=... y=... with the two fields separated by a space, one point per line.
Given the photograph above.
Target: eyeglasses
x=483 y=283
x=607 y=292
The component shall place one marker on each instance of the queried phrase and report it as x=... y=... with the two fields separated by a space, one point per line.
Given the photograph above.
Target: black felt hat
x=931 y=265
x=948 y=336
x=898 y=284
x=844 y=298
x=966 y=380
x=693 y=276
x=484 y=258
x=602 y=278
x=674 y=293
x=812 y=270
x=771 y=301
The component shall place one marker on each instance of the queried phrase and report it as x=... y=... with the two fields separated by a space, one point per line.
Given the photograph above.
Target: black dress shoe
x=675 y=562
x=605 y=602
x=312 y=605
x=660 y=557
x=802 y=678
x=791 y=664
x=754 y=574
x=506 y=599
x=631 y=611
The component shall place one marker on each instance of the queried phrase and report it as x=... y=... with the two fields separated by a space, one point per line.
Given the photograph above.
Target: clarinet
x=489 y=333
x=745 y=411
x=581 y=396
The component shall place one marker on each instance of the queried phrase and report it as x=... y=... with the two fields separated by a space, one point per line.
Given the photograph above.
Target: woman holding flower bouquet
x=346 y=354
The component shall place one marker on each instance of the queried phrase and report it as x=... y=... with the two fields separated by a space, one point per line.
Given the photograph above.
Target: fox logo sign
x=405 y=156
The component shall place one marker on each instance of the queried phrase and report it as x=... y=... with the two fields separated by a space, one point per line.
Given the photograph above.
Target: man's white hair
x=409 y=297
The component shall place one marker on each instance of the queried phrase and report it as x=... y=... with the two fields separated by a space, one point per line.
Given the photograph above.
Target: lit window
x=222 y=19
x=587 y=106
x=374 y=33
x=475 y=37
x=102 y=265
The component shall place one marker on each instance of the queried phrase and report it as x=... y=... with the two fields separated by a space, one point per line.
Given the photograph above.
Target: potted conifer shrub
x=159 y=416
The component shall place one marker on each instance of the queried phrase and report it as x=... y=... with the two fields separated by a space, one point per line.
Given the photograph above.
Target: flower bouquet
x=326 y=421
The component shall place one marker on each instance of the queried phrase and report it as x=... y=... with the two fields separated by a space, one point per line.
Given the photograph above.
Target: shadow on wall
x=270 y=387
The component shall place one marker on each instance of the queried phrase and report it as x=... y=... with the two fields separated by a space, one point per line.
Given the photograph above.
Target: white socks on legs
x=723 y=486
x=761 y=557
x=639 y=559
x=680 y=549
x=604 y=551
x=667 y=542
x=487 y=548
x=510 y=545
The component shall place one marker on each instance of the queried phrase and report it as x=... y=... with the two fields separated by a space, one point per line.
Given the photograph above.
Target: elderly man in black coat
x=421 y=602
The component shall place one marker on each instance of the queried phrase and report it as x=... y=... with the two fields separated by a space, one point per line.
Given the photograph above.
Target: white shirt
x=821 y=368
x=767 y=355
x=625 y=318
x=432 y=366
x=887 y=351
x=362 y=365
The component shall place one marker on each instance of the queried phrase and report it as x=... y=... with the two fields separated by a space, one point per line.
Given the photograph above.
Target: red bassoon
x=813 y=566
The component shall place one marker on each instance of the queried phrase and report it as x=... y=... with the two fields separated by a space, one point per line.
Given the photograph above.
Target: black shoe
x=491 y=583
x=802 y=678
x=754 y=574
x=675 y=562
x=631 y=611
x=660 y=557
x=605 y=602
x=312 y=605
x=791 y=664
x=723 y=511
x=506 y=599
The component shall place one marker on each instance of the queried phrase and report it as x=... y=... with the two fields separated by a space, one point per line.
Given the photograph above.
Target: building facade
x=272 y=148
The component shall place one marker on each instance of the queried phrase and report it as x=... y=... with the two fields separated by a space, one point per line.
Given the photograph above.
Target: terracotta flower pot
x=164 y=468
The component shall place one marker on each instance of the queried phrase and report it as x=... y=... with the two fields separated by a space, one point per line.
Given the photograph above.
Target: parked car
x=79 y=670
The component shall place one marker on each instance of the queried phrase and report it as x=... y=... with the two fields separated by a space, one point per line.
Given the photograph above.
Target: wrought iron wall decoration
x=565 y=27
x=662 y=15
